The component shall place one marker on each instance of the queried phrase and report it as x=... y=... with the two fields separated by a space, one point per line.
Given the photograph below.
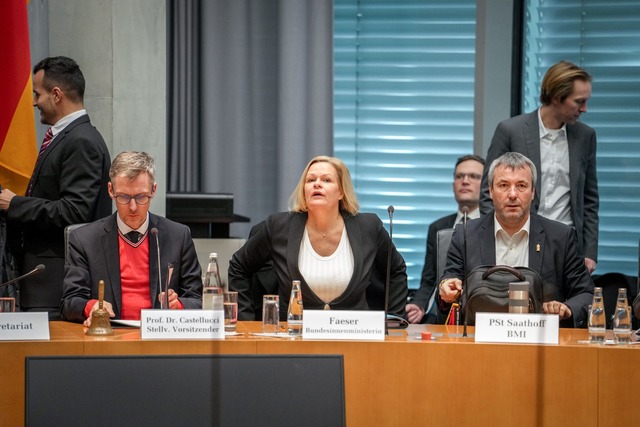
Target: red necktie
x=46 y=141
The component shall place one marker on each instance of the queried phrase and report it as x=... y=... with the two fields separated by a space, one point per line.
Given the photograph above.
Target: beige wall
x=121 y=48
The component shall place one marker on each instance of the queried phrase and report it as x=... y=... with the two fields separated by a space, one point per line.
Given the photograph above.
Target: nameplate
x=517 y=328
x=343 y=325
x=182 y=324
x=24 y=326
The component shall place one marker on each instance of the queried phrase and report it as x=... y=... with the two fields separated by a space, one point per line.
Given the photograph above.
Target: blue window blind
x=603 y=37
x=403 y=108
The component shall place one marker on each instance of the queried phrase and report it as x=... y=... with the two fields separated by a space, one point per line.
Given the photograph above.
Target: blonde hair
x=349 y=202
x=130 y=164
x=558 y=81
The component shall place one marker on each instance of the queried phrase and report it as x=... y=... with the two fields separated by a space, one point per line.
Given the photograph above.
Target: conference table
x=449 y=380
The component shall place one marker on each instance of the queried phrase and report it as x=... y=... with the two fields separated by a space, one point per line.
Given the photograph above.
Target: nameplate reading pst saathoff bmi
x=517 y=328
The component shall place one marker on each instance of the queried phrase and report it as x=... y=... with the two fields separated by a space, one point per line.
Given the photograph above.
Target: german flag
x=17 y=130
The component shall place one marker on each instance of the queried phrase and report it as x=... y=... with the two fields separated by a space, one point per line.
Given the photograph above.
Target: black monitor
x=207 y=214
x=199 y=390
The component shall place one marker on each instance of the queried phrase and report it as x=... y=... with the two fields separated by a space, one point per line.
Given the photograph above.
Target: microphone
x=391 y=321
x=36 y=270
x=465 y=213
x=164 y=302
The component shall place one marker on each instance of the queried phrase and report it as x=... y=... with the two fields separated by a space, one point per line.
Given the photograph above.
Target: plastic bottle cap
x=426 y=336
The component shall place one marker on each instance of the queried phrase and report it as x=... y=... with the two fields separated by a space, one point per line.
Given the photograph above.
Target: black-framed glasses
x=472 y=176
x=125 y=199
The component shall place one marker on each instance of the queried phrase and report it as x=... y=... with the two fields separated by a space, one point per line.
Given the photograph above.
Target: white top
x=555 y=196
x=514 y=250
x=327 y=276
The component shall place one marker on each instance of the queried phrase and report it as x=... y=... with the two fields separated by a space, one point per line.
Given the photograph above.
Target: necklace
x=324 y=235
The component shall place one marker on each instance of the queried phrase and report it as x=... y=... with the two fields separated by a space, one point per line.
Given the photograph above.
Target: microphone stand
x=387 y=282
x=164 y=302
x=463 y=308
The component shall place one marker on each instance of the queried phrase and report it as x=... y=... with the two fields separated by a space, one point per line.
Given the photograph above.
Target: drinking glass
x=230 y=311
x=270 y=314
x=7 y=305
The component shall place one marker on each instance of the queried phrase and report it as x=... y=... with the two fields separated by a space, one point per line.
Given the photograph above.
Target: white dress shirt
x=555 y=196
x=514 y=250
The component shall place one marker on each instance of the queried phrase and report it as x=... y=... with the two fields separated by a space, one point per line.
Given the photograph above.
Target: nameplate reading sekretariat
x=343 y=325
x=517 y=328
x=182 y=324
x=24 y=326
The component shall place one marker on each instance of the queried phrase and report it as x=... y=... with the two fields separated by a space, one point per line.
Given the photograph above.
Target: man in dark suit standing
x=563 y=151
x=466 y=190
x=122 y=250
x=68 y=184
x=514 y=236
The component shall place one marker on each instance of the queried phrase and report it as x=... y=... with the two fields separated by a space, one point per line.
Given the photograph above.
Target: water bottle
x=212 y=289
x=622 y=318
x=294 y=312
x=597 y=318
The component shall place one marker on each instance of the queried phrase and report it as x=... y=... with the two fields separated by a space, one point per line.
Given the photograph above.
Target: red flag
x=17 y=131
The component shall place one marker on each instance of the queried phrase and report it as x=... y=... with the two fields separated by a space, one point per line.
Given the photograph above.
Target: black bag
x=487 y=290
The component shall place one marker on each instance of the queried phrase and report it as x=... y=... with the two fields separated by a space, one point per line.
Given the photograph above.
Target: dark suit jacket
x=562 y=270
x=69 y=187
x=522 y=134
x=429 y=271
x=279 y=240
x=94 y=256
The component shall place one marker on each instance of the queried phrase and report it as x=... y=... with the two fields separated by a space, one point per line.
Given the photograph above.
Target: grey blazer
x=94 y=255
x=522 y=134
x=552 y=254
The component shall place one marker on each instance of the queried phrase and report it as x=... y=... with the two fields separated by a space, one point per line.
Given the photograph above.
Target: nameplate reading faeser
x=182 y=324
x=517 y=328
x=24 y=326
x=343 y=324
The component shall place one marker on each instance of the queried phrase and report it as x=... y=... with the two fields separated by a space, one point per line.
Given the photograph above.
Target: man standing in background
x=563 y=150
x=68 y=184
x=466 y=190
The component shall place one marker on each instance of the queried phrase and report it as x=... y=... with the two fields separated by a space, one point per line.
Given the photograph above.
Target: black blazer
x=429 y=270
x=522 y=134
x=552 y=254
x=69 y=187
x=279 y=240
x=94 y=256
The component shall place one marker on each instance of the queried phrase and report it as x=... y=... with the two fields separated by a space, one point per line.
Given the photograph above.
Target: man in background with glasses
x=123 y=250
x=466 y=190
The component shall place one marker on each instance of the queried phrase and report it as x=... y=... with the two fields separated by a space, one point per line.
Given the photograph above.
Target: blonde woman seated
x=323 y=242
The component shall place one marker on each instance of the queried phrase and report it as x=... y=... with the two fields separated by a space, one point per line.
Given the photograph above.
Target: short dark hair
x=62 y=72
x=468 y=157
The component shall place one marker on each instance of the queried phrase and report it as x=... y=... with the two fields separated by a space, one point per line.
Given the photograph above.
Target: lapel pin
x=538 y=247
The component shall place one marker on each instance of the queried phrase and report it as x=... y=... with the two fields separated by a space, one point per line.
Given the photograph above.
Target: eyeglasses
x=472 y=176
x=124 y=199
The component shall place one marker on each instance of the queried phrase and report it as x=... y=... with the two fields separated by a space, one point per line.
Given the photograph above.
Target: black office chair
x=443 y=241
x=67 y=230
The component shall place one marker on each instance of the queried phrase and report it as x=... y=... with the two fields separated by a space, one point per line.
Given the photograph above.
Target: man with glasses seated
x=467 y=175
x=122 y=250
